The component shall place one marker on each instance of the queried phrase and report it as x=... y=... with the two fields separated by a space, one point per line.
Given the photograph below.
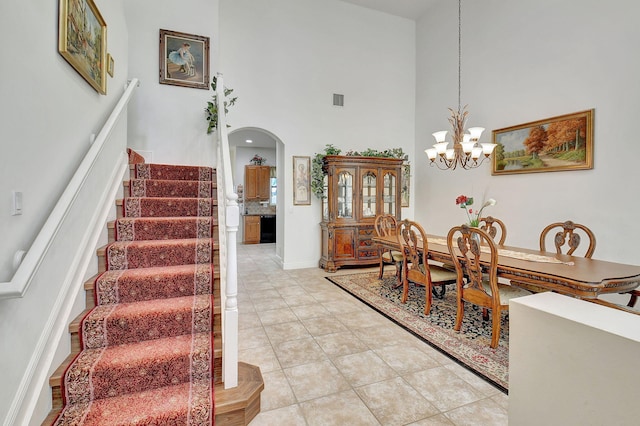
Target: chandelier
x=467 y=151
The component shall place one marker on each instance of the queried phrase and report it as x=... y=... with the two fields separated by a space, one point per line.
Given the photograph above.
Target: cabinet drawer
x=365 y=233
x=368 y=252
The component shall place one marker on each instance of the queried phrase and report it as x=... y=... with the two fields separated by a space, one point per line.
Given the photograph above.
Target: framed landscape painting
x=184 y=59
x=554 y=144
x=82 y=41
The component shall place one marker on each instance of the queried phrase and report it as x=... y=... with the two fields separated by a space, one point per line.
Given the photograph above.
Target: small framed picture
x=301 y=181
x=110 y=64
x=184 y=59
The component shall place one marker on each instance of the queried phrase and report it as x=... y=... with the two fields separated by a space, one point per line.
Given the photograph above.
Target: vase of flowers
x=257 y=160
x=473 y=215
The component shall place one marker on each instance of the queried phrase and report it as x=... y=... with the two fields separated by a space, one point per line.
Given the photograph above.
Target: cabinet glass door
x=369 y=194
x=325 y=198
x=345 y=195
x=389 y=194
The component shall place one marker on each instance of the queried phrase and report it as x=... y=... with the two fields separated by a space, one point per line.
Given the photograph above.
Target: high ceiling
x=411 y=9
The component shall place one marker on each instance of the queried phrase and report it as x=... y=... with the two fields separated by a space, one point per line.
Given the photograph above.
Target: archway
x=244 y=143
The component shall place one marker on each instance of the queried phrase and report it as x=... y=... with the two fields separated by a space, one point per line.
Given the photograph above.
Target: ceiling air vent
x=338 y=100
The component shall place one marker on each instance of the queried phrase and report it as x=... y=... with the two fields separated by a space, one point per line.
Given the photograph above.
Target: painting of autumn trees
x=559 y=143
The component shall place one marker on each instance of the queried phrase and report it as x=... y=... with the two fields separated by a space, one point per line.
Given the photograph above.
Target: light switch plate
x=17 y=203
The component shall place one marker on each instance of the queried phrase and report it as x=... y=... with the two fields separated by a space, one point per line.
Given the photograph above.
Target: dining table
x=569 y=275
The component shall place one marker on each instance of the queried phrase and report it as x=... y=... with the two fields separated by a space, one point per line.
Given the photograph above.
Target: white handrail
x=230 y=225
x=23 y=276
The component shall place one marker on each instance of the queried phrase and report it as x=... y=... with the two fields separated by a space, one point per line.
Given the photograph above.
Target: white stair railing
x=228 y=220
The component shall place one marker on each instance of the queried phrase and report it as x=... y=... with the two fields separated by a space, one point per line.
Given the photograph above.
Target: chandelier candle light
x=466 y=147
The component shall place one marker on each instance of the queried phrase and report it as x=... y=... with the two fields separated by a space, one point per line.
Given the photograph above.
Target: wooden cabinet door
x=256 y=182
x=252 y=229
x=250 y=182
x=264 y=182
x=344 y=241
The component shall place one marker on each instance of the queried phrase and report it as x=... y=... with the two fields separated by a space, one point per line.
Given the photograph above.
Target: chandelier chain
x=459 y=52
x=467 y=151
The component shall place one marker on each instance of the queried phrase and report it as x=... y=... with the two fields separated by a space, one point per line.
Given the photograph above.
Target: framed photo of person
x=301 y=181
x=184 y=59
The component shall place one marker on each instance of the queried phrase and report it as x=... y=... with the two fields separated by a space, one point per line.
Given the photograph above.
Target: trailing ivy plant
x=212 y=106
x=317 y=173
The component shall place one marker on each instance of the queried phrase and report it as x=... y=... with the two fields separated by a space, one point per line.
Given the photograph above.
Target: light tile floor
x=328 y=359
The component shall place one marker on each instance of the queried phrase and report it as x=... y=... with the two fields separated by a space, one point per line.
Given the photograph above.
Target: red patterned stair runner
x=147 y=346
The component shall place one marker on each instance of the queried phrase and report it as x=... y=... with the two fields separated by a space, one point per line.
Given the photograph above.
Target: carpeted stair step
x=180 y=404
x=136 y=367
x=162 y=228
x=168 y=188
x=152 y=253
x=132 y=285
x=172 y=172
x=166 y=207
x=123 y=323
x=55 y=381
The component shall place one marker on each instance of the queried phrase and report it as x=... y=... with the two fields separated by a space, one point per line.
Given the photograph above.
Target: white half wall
x=572 y=362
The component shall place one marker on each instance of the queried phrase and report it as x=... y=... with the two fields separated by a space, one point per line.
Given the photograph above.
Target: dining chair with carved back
x=569 y=233
x=416 y=269
x=566 y=237
x=387 y=225
x=477 y=282
x=495 y=228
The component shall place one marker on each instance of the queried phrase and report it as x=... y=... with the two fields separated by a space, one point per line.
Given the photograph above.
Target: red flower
x=462 y=199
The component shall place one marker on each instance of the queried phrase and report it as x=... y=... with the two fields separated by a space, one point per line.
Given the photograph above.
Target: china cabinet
x=356 y=189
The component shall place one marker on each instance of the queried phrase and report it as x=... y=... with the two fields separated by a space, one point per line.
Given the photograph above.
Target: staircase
x=148 y=348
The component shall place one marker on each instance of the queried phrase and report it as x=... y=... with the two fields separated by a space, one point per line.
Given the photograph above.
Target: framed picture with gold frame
x=301 y=181
x=110 y=64
x=184 y=59
x=82 y=41
x=554 y=144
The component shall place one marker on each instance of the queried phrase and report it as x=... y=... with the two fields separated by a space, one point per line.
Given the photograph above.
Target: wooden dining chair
x=568 y=233
x=495 y=228
x=386 y=225
x=416 y=269
x=566 y=240
x=477 y=283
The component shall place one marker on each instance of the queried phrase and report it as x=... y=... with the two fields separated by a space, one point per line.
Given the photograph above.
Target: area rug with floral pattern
x=469 y=347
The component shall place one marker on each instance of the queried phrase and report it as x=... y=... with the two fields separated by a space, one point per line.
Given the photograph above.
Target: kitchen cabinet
x=257 y=183
x=251 y=229
x=356 y=190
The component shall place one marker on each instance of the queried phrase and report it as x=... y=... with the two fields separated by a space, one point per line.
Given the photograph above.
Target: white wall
x=529 y=60
x=572 y=362
x=48 y=112
x=285 y=59
x=166 y=120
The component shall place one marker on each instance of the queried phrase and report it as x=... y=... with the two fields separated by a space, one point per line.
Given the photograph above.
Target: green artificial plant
x=318 y=174
x=212 y=106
